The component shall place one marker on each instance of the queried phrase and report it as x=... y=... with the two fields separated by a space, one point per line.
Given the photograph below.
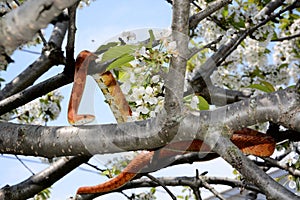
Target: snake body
x=248 y=140
x=108 y=85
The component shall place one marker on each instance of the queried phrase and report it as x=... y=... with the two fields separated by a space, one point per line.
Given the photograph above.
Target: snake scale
x=248 y=140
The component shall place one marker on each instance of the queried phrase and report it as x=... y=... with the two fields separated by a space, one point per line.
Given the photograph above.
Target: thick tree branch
x=280 y=107
x=20 y=25
x=270 y=7
x=42 y=180
x=228 y=151
x=50 y=56
x=174 y=82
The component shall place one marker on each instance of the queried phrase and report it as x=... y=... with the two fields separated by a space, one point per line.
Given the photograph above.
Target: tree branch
x=201 y=77
x=51 y=55
x=174 y=82
x=42 y=180
x=270 y=7
x=228 y=151
x=70 y=61
x=179 y=181
x=280 y=107
x=283 y=166
x=286 y=38
x=162 y=185
x=20 y=25
x=34 y=92
x=210 y=9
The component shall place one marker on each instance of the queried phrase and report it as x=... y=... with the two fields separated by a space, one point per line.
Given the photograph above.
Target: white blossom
x=194 y=102
x=292 y=184
x=291 y=158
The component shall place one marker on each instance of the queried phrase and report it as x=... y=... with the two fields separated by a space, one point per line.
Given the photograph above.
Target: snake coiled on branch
x=248 y=140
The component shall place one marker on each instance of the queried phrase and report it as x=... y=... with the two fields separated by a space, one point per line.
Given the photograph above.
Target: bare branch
x=284 y=166
x=179 y=181
x=70 y=61
x=161 y=184
x=211 y=8
x=50 y=56
x=42 y=180
x=286 y=38
x=212 y=189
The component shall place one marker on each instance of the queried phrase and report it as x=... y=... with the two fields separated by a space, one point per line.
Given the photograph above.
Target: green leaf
x=294 y=16
x=269 y=86
x=264 y=86
x=106 y=173
x=225 y=12
x=153 y=190
x=105 y=47
x=258 y=87
x=126 y=58
x=118 y=51
x=188 y=98
x=203 y=104
x=123 y=76
x=235 y=172
x=152 y=38
x=238 y=25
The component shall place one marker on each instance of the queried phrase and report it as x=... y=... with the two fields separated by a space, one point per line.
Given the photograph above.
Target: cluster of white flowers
x=41 y=110
x=250 y=62
x=144 y=93
x=144 y=83
x=286 y=53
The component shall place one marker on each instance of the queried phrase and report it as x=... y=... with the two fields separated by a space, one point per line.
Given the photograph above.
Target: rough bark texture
x=20 y=25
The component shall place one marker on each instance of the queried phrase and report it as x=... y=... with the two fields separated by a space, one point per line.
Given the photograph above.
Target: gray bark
x=20 y=25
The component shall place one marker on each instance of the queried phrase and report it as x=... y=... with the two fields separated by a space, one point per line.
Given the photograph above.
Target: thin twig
x=43 y=179
x=286 y=38
x=162 y=185
x=210 y=188
x=210 y=9
x=196 y=189
x=292 y=170
x=251 y=30
x=17 y=157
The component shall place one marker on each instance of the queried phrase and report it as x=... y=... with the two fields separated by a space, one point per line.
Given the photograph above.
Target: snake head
x=80 y=119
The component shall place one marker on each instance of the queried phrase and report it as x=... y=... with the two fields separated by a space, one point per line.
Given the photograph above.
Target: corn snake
x=248 y=140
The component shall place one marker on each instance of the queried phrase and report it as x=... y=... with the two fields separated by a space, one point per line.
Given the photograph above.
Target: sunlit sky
x=96 y=24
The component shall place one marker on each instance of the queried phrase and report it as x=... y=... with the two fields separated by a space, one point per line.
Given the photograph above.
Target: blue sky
x=97 y=24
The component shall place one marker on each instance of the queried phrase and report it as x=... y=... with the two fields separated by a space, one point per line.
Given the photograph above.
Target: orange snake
x=248 y=140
